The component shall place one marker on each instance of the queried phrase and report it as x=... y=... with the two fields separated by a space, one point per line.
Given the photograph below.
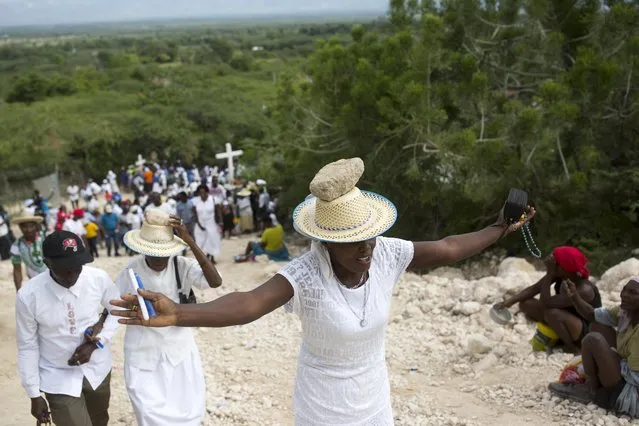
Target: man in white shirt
x=27 y=249
x=56 y=353
x=73 y=191
x=106 y=187
x=217 y=191
x=86 y=193
x=95 y=188
x=113 y=181
x=93 y=205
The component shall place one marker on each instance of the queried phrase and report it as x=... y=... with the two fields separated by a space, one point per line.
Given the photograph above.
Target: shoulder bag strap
x=177 y=273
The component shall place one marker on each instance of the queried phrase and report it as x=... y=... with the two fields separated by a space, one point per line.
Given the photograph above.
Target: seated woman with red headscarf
x=554 y=307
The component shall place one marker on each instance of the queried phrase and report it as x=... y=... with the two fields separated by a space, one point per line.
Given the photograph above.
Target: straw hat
x=155 y=238
x=337 y=211
x=26 y=217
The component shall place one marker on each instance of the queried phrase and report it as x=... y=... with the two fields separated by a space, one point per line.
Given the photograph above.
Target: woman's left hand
x=530 y=213
x=179 y=227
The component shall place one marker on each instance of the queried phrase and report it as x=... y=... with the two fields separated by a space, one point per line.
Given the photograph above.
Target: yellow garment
x=273 y=238
x=627 y=341
x=92 y=230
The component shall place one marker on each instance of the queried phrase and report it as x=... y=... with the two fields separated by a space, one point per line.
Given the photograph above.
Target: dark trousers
x=90 y=409
x=112 y=239
x=93 y=246
x=5 y=246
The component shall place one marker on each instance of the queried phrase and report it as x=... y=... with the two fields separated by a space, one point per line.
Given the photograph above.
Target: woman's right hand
x=166 y=310
x=503 y=305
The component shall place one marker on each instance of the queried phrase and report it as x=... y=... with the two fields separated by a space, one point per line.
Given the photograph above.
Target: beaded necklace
x=530 y=242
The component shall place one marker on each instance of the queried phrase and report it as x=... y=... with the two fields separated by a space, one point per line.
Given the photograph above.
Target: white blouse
x=341 y=370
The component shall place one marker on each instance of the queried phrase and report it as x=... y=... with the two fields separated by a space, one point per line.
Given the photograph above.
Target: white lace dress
x=341 y=369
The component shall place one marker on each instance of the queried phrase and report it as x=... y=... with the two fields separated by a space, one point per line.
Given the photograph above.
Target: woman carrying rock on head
x=341 y=290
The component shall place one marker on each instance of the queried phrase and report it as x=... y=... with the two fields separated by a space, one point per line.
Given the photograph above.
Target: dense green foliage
x=449 y=106
x=91 y=103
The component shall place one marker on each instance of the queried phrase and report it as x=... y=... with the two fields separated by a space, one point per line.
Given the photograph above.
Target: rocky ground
x=449 y=363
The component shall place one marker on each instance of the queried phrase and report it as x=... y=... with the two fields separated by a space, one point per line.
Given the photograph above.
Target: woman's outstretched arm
x=455 y=248
x=232 y=309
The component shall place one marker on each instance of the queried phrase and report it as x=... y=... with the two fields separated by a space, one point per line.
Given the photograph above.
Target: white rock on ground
x=616 y=277
x=449 y=364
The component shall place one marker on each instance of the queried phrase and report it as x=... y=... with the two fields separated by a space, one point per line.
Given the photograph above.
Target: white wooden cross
x=229 y=154
x=140 y=161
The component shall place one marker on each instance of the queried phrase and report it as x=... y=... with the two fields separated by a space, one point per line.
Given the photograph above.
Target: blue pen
x=89 y=333
x=149 y=305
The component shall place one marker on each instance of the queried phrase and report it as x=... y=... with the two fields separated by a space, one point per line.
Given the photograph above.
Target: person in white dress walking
x=207 y=223
x=162 y=367
x=73 y=192
x=341 y=290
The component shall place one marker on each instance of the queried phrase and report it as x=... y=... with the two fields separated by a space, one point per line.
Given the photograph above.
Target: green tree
x=28 y=89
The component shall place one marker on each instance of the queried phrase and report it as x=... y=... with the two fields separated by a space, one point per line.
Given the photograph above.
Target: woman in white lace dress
x=207 y=229
x=341 y=290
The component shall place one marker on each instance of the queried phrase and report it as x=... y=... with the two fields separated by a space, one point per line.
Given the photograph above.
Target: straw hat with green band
x=338 y=211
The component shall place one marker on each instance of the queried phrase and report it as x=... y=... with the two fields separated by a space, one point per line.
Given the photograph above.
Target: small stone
x=486 y=362
x=468 y=308
x=412 y=311
x=478 y=344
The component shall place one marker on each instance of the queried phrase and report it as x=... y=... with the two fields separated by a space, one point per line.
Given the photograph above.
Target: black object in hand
x=515 y=205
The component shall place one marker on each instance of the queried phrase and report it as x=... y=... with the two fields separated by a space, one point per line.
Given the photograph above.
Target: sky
x=51 y=12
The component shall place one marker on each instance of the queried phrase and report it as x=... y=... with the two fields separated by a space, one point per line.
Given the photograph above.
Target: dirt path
x=250 y=369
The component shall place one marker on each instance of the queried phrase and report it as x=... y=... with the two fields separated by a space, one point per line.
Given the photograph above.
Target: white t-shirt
x=74 y=226
x=117 y=210
x=86 y=192
x=72 y=192
x=95 y=188
x=93 y=205
x=341 y=369
x=4 y=228
x=133 y=220
x=264 y=199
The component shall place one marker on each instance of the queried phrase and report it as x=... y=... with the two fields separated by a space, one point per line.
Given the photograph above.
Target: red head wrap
x=78 y=213
x=572 y=260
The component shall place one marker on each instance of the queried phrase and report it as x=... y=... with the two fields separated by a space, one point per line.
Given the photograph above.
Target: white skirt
x=209 y=240
x=168 y=396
